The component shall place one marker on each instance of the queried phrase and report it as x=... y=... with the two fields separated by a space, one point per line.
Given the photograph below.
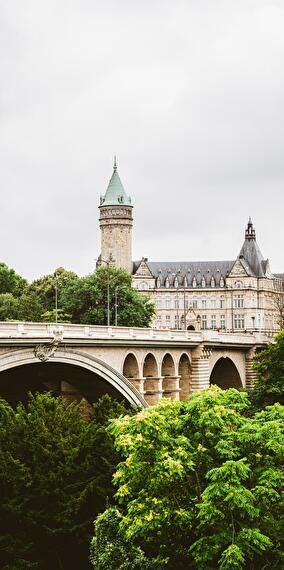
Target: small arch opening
x=191 y=328
x=130 y=367
x=170 y=380
x=184 y=371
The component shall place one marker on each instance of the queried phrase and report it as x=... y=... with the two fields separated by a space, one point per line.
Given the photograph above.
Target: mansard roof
x=115 y=194
x=279 y=276
x=170 y=271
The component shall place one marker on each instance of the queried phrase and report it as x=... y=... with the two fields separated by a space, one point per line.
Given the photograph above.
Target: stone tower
x=116 y=224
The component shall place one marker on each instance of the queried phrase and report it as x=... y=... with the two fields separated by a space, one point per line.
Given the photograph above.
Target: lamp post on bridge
x=119 y=287
x=107 y=262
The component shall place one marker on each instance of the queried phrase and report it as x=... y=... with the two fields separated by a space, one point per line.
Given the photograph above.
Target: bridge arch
x=225 y=374
x=118 y=383
x=184 y=372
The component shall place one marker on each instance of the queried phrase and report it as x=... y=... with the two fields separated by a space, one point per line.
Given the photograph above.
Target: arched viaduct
x=138 y=365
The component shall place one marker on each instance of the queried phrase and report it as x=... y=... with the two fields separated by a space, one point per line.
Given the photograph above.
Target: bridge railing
x=48 y=330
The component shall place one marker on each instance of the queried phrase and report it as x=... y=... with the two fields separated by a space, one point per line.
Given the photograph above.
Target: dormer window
x=158 y=282
x=167 y=283
x=222 y=282
x=185 y=282
x=194 y=282
x=213 y=282
x=203 y=282
x=238 y=284
x=176 y=282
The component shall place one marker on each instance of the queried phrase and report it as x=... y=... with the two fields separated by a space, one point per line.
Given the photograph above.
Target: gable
x=238 y=270
x=143 y=270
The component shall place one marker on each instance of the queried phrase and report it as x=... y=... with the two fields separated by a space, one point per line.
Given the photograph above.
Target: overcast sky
x=189 y=94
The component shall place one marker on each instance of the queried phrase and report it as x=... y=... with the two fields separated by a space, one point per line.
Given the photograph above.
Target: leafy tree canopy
x=86 y=299
x=55 y=475
x=10 y=281
x=44 y=287
x=199 y=486
x=269 y=365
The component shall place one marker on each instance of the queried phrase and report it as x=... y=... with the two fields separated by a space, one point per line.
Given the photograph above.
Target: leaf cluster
x=200 y=483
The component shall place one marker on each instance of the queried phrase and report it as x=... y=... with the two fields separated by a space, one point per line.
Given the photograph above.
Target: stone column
x=153 y=389
x=200 y=378
x=171 y=387
x=138 y=383
x=250 y=372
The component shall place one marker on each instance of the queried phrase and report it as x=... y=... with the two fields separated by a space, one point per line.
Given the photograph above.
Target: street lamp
x=107 y=262
x=119 y=287
x=56 y=297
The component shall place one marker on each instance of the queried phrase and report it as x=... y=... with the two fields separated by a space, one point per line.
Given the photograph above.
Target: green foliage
x=110 y=549
x=55 y=475
x=10 y=281
x=269 y=366
x=86 y=299
x=44 y=288
x=200 y=483
x=9 y=307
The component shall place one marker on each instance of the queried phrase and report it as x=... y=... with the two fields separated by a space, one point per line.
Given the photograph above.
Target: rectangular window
x=168 y=303
x=213 y=321
x=223 y=321
x=176 y=321
x=176 y=303
x=186 y=304
x=213 y=302
x=239 y=321
x=168 y=319
x=204 y=303
x=222 y=302
x=194 y=303
x=238 y=301
x=158 y=302
x=204 y=322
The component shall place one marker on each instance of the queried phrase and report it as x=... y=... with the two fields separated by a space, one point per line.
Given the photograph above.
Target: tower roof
x=251 y=253
x=115 y=194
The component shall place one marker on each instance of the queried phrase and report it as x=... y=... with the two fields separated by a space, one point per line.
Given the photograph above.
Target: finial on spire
x=250 y=231
x=115 y=164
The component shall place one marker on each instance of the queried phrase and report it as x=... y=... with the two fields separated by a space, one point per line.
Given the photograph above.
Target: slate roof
x=115 y=194
x=190 y=269
x=279 y=276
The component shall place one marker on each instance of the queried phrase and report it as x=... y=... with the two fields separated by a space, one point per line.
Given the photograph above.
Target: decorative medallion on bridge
x=45 y=351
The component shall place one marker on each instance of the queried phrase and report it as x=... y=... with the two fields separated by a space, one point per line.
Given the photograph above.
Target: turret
x=116 y=224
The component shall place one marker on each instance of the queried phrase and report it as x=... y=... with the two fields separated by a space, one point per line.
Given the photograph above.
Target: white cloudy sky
x=188 y=93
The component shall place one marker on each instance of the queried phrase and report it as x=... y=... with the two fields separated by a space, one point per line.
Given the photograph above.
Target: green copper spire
x=115 y=194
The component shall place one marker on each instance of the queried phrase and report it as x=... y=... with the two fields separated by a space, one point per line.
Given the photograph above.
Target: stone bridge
x=135 y=364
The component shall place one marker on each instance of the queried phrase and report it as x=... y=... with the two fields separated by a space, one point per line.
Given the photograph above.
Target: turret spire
x=250 y=231
x=114 y=164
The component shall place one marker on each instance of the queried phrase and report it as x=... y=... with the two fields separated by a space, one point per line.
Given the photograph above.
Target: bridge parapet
x=10 y=330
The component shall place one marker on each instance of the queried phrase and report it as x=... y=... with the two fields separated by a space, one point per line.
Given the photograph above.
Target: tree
x=278 y=301
x=269 y=365
x=9 y=306
x=55 y=475
x=44 y=287
x=11 y=282
x=86 y=299
x=200 y=484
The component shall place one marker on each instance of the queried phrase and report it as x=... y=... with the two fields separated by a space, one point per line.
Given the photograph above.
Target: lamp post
x=107 y=262
x=56 y=298
x=119 y=287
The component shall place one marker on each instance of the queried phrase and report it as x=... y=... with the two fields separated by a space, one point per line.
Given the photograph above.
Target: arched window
x=158 y=283
x=176 y=282
x=143 y=286
x=194 y=282
x=238 y=284
x=222 y=282
x=167 y=283
x=203 y=282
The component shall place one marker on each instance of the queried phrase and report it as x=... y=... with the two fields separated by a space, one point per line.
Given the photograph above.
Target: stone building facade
x=235 y=295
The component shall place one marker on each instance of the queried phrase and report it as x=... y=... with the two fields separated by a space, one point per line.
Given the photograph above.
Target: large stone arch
x=225 y=374
x=108 y=374
x=236 y=356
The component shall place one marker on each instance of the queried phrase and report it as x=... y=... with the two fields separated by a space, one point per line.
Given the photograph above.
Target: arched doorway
x=170 y=379
x=73 y=375
x=225 y=374
x=184 y=371
x=191 y=328
x=152 y=383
